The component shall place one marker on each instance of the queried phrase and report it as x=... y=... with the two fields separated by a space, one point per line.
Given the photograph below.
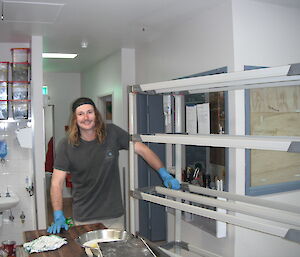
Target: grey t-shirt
x=95 y=174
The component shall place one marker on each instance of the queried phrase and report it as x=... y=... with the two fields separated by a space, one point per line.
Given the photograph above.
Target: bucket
x=10 y=247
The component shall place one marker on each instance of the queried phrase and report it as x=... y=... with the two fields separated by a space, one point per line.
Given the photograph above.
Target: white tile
x=15 y=236
x=13 y=173
x=17 y=165
x=12 y=179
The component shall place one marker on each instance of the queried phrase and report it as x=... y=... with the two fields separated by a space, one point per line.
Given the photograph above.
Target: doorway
x=49 y=121
x=104 y=105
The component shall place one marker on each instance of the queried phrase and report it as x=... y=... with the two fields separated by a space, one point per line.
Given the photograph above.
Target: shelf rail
x=287 y=75
x=270 y=220
x=276 y=143
x=241 y=198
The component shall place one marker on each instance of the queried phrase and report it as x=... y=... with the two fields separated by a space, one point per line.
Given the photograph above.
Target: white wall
x=266 y=35
x=202 y=43
x=63 y=89
x=104 y=79
x=13 y=173
x=5 y=53
x=127 y=78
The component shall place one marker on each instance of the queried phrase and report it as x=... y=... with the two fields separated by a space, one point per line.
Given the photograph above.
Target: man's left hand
x=168 y=179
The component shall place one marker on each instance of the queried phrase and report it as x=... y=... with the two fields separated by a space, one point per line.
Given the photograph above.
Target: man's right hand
x=59 y=223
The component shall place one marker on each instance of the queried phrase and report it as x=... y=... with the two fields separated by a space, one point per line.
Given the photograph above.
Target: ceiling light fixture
x=59 y=55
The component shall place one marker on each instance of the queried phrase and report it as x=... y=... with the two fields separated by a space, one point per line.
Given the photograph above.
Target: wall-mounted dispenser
x=3 y=151
x=24 y=136
x=29 y=186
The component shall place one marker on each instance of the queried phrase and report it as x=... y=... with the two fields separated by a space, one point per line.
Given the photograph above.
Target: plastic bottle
x=70 y=221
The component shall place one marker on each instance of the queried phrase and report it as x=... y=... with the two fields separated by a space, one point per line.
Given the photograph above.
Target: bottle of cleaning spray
x=3 y=151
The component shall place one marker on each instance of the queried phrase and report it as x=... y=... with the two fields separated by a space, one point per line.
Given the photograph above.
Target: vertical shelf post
x=179 y=157
x=132 y=162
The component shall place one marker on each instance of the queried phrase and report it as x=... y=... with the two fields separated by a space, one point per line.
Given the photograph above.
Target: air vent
x=31 y=12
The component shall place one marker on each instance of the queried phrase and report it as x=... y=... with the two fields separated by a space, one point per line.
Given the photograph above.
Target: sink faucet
x=7 y=193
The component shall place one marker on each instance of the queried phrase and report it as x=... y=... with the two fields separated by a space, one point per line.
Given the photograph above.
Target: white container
x=20 y=109
x=24 y=136
x=20 y=90
x=20 y=54
x=20 y=71
x=3 y=110
x=3 y=90
x=4 y=71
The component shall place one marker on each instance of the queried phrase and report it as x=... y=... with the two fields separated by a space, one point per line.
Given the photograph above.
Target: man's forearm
x=56 y=197
x=148 y=155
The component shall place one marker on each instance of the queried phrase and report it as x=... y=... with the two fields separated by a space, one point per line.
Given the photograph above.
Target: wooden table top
x=71 y=249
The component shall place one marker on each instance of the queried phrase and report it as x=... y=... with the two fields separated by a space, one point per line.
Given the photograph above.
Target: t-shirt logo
x=109 y=154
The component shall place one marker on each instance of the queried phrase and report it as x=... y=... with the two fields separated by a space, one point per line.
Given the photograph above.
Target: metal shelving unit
x=285 y=219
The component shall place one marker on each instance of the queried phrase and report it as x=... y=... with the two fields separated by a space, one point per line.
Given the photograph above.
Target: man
x=90 y=153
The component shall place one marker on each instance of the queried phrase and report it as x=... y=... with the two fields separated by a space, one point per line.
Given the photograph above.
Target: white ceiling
x=107 y=25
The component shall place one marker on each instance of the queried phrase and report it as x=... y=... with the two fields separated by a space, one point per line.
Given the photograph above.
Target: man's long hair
x=74 y=132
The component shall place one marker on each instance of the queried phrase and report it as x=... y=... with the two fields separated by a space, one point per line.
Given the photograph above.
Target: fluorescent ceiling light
x=59 y=55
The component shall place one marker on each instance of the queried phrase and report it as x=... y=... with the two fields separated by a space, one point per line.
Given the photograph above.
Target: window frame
x=265 y=189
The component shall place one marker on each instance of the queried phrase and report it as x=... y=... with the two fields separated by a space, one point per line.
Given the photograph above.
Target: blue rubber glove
x=59 y=223
x=168 y=179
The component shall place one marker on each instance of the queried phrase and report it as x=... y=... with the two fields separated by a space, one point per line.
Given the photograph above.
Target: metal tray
x=103 y=235
x=113 y=243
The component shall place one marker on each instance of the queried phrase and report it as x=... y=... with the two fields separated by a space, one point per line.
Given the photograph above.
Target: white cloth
x=45 y=243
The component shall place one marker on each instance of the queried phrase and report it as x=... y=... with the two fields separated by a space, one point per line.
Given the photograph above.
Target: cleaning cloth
x=45 y=243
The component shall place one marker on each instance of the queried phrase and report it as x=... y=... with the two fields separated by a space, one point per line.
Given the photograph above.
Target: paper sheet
x=203 y=118
x=191 y=119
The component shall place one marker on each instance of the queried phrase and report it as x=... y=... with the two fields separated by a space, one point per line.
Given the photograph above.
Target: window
x=273 y=112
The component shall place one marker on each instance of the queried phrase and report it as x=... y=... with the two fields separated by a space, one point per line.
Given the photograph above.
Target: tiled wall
x=18 y=165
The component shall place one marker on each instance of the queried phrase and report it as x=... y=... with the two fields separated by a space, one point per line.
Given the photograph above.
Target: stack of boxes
x=4 y=67
x=14 y=85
